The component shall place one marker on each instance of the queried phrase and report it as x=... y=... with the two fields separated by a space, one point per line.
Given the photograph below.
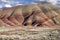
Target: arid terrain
x=30 y=22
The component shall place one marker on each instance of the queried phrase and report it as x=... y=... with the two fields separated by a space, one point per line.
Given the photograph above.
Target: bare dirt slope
x=30 y=22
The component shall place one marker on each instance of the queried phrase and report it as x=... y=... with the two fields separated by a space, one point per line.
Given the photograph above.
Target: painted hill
x=30 y=22
x=30 y=15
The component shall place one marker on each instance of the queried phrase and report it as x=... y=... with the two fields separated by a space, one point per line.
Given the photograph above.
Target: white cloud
x=34 y=3
x=7 y=5
x=40 y=0
x=4 y=0
x=18 y=4
x=1 y=6
x=8 y=1
x=52 y=1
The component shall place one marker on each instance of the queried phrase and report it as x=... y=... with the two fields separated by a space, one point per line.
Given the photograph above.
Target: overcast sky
x=10 y=3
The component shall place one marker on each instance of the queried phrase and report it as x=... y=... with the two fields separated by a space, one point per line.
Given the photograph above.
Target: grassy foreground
x=24 y=33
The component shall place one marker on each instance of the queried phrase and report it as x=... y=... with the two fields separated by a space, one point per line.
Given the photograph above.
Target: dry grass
x=32 y=33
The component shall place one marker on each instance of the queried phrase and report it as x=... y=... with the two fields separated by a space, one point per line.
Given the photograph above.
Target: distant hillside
x=30 y=15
